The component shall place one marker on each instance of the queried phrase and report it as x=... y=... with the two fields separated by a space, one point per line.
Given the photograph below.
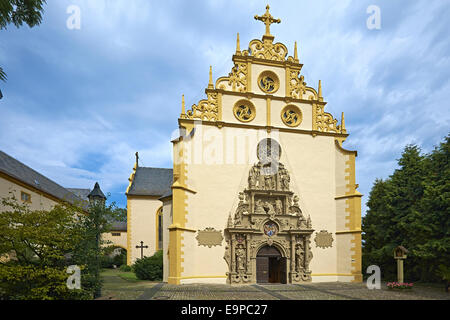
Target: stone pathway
x=309 y=291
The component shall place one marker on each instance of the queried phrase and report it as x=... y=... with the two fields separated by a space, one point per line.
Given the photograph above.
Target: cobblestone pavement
x=309 y=291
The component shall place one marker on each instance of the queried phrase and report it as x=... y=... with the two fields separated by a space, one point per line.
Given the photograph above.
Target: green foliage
x=2 y=74
x=444 y=272
x=149 y=268
x=21 y=11
x=125 y=268
x=37 y=283
x=411 y=208
x=40 y=245
x=109 y=259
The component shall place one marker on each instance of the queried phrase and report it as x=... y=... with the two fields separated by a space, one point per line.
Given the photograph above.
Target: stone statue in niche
x=242 y=209
x=278 y=206
x=270 y=209
x=240 y=258
x=268 y=182
x=253 y=178
x=284 y=178
x=259 y=209
x=299 y=257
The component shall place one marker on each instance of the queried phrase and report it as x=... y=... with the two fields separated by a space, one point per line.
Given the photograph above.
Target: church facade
x=261 y=188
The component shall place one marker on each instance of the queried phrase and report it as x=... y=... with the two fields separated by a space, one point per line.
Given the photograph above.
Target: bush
x=149 y=268
x=121 y=258
x=125 y=268
x=106 y=262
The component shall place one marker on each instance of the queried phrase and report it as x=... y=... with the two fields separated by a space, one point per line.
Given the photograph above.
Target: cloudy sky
x=79 y=103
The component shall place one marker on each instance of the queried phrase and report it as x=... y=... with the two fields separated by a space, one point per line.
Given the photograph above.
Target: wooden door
x=283 y=266
x=262 y=269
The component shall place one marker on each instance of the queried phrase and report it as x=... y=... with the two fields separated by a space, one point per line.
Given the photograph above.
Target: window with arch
x=159 y=229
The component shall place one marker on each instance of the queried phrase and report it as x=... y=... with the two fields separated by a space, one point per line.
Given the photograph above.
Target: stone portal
x=268 y=239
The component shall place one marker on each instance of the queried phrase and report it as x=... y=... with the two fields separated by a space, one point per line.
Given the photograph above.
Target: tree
x=411 y=208
x=19 y=12
x=35 y=246
x=38 y=245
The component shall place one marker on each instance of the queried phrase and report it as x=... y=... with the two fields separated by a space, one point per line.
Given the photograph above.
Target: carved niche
x=268 y=213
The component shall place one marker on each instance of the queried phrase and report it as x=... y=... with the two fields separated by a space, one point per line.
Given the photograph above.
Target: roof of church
x=151 y=181
x=166 y=194
x=80 y=193
x=119 y=226
x=23 y=173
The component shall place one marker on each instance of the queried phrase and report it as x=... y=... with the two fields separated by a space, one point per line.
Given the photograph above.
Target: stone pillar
x=306 y=253
x=292 y=253
x=247 y=243
x=232 y=259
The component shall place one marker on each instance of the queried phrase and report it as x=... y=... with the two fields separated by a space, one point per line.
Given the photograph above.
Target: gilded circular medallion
x=244 y=111
x=268 y=82
x=291 y=116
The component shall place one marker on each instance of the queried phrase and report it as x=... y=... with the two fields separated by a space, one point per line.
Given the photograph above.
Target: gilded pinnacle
x=295 y=51
x=320 y=91
x=183 y=109
x=238 y=45
x=210 y=85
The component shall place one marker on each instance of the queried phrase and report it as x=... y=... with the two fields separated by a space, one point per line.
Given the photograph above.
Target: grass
x=129 y=276
x=123 y=285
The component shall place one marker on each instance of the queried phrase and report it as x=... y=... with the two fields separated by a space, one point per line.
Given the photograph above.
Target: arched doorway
x=270 y=266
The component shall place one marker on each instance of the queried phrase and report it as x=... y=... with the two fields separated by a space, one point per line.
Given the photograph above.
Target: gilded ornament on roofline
x=206 y=109
x=267 y=50
x=297 y=85
x=237 y=79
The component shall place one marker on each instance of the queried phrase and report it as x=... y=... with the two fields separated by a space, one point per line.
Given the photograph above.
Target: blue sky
x=79 y=103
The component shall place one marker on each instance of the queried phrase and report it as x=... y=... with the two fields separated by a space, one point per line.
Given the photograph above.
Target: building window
x=115 y=234
x=26 y=197
x=159 y=230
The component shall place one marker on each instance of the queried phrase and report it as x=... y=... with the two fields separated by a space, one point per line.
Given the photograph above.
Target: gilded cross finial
x=267 y=19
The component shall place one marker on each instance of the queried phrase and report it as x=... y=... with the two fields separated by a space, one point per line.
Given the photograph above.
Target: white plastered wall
x=38 y=201
x=311 y=163
x=167 y=221
x=142 y=219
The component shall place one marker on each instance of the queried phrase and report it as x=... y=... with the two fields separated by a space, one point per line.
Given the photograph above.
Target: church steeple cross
x=267 y=19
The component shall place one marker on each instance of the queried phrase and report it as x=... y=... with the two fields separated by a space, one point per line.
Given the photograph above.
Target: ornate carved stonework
x=209 y=237
x=266 y=49
x=324 y=239
x=268 y=214
x=324 y=121
x=236 y=80
x=206 y=109
x=297 y=84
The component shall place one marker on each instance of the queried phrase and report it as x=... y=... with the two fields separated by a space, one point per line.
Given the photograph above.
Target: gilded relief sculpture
x=268 y=214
